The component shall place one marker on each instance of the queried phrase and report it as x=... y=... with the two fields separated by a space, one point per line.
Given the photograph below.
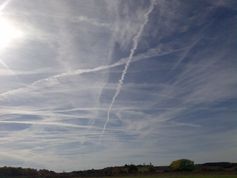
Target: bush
x=182 y=165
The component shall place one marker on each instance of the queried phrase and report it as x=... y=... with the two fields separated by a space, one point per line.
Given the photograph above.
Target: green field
x=198 y=176
x=183 y=176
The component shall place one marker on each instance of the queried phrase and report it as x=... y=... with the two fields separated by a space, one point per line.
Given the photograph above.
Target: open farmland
x=183 y=176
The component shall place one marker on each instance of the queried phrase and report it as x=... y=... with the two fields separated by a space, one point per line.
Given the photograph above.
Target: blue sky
x=96 y=83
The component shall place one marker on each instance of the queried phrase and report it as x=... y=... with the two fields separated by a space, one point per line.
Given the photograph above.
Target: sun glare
x=8 y=33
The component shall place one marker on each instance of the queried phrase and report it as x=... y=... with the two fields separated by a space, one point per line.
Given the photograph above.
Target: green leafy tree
x=182 y=165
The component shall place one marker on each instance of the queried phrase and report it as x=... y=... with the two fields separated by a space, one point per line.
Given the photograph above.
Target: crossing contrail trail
x=149 y=54
x=131 y=54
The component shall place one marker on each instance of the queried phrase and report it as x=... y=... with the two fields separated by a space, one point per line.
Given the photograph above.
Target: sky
x=94 y=83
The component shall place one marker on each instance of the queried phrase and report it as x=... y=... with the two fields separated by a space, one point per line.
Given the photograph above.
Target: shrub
x=182 y=165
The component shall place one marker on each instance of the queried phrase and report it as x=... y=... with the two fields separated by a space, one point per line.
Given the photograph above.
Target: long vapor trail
x=132 y=51
x=149 y=54
x=57 y=124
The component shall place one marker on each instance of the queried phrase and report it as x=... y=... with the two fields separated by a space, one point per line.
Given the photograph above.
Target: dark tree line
x=29 y=172
x=131 y=169
x=109 y=171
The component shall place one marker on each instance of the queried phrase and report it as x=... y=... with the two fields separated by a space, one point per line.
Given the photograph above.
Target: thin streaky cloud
x=200 y=36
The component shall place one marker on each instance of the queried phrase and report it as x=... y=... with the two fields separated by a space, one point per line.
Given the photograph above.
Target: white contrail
x=132 y=51
x=200 y=36
x=151 y=53
x=55 y=124
x=7 y=67
x=44 y=124
x=4 y=64
x=186 y=52
x=36 y=113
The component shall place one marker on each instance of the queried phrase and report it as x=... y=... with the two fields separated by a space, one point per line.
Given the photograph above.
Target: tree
x=131 y=168
x=182 y=165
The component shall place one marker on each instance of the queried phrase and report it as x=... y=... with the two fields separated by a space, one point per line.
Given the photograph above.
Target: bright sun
x=8 y=33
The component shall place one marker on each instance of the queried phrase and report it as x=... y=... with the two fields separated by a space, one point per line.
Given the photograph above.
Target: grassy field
x=183 y=176
x=198 y=176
